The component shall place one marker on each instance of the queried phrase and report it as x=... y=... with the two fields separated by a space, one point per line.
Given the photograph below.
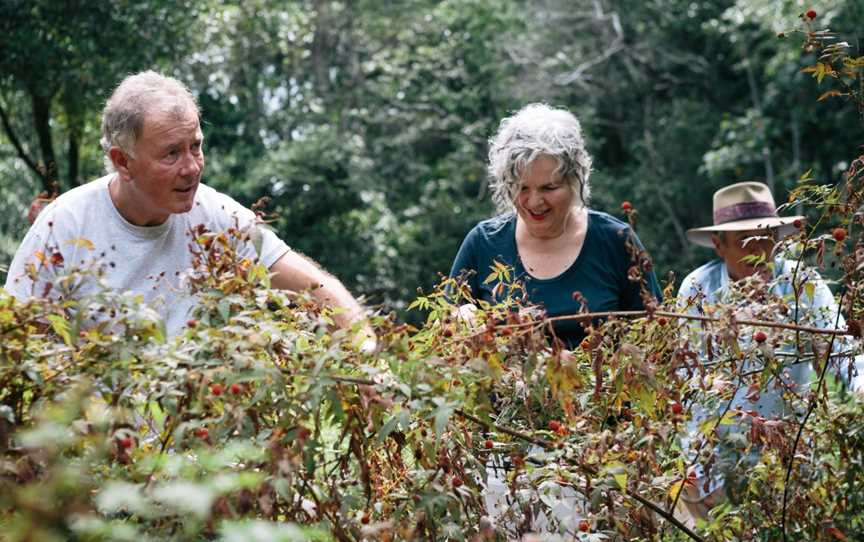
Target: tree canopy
x=365 y=123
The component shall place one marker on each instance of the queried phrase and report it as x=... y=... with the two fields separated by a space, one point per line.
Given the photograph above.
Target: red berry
x=626 y=206
x=236 y=389
x=677 y=408
x=489 y=444
x=202 y=433
x=584 y=526
x=585 y=344
x=365 y=519
x=662 y=321
x=191 y=322
x=216 y=389
x=126 y=442
x=56 y=259
x=760 y=337
x=839 y=234
x=448 y=332
x=555 y=425
x=457 y=482
x=811 y=14
x=797 y=223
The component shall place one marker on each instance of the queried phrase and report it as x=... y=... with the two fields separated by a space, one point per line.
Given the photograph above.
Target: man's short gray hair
x=135 y=97
x=538 y=129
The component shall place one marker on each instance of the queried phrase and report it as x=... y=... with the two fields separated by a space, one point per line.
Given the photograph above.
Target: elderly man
x=744 y=234
x=137 y=221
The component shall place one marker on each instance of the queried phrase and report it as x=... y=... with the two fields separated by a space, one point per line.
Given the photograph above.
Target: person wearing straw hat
x=745 y=235
x=745 y=224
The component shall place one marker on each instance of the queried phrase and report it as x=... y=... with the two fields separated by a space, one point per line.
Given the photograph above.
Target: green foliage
x=58 y=63
x=265 y=422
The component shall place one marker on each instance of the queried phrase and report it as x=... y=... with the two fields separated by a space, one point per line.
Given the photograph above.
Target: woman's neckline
x=523 y=270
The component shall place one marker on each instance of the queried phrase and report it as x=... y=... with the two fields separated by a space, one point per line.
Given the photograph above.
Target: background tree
x=58 y=61
x=366 y=123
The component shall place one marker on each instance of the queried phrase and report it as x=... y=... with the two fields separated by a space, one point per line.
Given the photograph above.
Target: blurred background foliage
x=365 y=122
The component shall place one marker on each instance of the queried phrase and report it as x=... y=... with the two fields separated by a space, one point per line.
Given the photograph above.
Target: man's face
x=734 y=246
x=164 y=174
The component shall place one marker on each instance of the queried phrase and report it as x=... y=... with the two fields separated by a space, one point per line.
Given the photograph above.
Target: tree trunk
x=19 y=148
x=760 y=125
x=72 y=153
x=42 y=123
x=75 y=121
x=321 y=48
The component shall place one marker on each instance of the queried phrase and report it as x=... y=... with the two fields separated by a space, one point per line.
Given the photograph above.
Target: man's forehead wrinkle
x=178 y=130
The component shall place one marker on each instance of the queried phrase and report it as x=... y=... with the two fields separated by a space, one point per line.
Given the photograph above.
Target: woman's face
x=543 y=199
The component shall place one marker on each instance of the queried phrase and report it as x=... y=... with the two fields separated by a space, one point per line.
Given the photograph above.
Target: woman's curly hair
x=538 y=129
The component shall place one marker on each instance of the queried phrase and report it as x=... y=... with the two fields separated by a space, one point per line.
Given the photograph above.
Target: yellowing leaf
x=621 y=478
x=819 y=71
x=81 y=242
x=675 y=489
x=60 y=327
x=618 y=472
x=810 y=290
x=830 y=93
x=708 y=426
x=495 y=366
x=856 y=62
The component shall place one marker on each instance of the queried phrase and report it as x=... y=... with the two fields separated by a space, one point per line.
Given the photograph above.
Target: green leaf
x=387 y=428
x=61 y=327
x=186 y=497
x=263 y=531
x=442 y=416
x=618 y=471
x=122 y=497
x=7 y=413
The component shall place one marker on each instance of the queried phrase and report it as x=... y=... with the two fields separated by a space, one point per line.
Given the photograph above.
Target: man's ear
x=120 y=160
x=719 y=246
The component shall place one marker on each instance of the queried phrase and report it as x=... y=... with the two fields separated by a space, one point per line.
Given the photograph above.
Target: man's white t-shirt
x=83 y=228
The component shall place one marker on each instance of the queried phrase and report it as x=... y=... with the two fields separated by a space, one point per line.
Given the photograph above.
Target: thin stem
x=584 y=468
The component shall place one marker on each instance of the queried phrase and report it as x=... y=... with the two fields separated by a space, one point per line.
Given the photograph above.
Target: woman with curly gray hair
x=544 y=231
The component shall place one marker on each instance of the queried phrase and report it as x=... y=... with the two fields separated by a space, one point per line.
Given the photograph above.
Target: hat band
x=747 y=209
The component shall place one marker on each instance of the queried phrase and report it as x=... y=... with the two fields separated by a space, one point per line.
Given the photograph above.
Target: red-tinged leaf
x=836 y=533
x=830 y=93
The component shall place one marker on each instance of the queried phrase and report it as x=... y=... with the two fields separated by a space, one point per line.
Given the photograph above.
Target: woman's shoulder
x=606 y=225
x=496 y=227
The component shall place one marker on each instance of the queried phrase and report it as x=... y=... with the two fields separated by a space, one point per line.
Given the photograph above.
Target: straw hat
x=741 y=207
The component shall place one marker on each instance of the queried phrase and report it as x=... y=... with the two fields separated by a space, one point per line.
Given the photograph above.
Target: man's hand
x=294 y=271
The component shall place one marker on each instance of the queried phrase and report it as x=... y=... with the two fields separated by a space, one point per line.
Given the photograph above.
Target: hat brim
x=784 y=225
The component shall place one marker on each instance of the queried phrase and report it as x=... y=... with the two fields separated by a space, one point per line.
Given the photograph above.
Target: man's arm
x=294 y=271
